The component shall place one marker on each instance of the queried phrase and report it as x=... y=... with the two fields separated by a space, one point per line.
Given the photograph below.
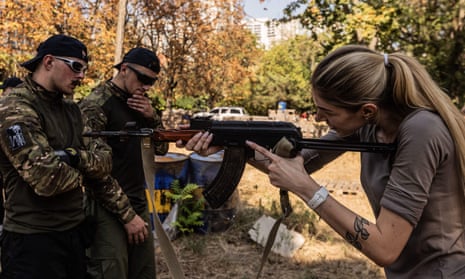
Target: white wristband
x=318 y=198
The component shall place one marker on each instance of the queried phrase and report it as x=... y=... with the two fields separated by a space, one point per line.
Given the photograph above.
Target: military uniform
x=106 y=109
x=44 y=195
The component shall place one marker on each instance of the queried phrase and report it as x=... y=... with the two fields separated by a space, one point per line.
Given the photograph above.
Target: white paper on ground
x=286 y=243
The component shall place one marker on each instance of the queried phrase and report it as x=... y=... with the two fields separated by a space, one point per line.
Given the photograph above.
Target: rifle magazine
x=228 y=177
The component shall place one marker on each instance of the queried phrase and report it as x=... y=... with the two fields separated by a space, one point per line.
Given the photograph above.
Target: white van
x=224 y=113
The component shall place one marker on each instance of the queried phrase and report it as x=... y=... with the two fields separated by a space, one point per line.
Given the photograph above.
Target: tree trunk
x=120 y=32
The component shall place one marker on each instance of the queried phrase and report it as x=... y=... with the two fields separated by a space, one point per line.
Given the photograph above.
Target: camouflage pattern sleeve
x=109 y=194
x=160 y=148
x=106 y=191
x=95 y=159
x=25 y=143
x=93 y=115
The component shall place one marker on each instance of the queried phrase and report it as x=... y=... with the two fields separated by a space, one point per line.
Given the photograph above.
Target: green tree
x=432 y=31
x=284 y=75
x=338 y=22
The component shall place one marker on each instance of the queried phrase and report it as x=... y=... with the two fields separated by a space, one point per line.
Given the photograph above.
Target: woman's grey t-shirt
x=421 y=183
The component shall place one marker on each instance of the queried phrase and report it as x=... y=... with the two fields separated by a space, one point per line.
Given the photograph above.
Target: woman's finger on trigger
x=260 y=149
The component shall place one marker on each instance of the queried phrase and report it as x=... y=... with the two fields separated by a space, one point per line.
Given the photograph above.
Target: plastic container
x=202 y=171
x=170 y=167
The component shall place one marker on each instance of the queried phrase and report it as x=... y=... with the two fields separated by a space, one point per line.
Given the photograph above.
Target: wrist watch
x=318 y=198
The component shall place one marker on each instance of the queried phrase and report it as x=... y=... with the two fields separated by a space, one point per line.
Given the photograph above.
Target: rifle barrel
x=345 y=146
x=141 y=133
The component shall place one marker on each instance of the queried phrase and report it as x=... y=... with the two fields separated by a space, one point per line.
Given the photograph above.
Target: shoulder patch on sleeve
x=16 y=137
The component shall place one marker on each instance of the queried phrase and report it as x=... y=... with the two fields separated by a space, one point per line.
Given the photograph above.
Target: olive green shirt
x=106 y=109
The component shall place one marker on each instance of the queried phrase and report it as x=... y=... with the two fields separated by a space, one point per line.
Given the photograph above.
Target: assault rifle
x=232 y=135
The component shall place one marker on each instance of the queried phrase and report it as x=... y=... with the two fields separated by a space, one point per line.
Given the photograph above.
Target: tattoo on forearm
x=360 y=232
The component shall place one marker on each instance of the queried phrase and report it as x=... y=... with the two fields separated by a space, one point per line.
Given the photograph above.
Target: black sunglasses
x=143 y=78
x=75 y=66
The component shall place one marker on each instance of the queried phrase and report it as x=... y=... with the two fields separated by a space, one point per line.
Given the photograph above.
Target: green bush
x=191 y=206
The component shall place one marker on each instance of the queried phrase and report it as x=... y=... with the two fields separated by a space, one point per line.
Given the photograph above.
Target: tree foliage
x=209 y=58
x=206 y=54
x=204 y=48
x=26 y=23
x=432 y=31
x=283 y=74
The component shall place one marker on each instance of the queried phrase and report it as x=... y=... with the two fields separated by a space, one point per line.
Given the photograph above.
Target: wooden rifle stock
x=173 y=135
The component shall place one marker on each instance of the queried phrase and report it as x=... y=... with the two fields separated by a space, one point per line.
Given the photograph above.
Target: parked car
x=223 y=113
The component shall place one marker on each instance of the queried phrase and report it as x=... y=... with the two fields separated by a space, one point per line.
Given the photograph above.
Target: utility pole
x=120 y=32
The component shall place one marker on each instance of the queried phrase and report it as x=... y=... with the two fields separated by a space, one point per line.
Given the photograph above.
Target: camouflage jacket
x=106 y=109
x=42 y=192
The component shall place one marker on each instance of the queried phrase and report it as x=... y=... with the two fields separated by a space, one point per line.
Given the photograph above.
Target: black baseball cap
x=141 y=56
x=60 y=45
x=10 y=82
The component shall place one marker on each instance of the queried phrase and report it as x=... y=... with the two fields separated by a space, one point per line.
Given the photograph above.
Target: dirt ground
x=232 y=254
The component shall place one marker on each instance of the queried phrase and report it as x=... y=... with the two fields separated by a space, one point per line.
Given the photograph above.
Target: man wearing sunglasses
x=46 y=163
x=110 y=106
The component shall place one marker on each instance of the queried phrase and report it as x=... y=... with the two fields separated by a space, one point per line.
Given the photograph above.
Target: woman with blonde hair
x=416 y=192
